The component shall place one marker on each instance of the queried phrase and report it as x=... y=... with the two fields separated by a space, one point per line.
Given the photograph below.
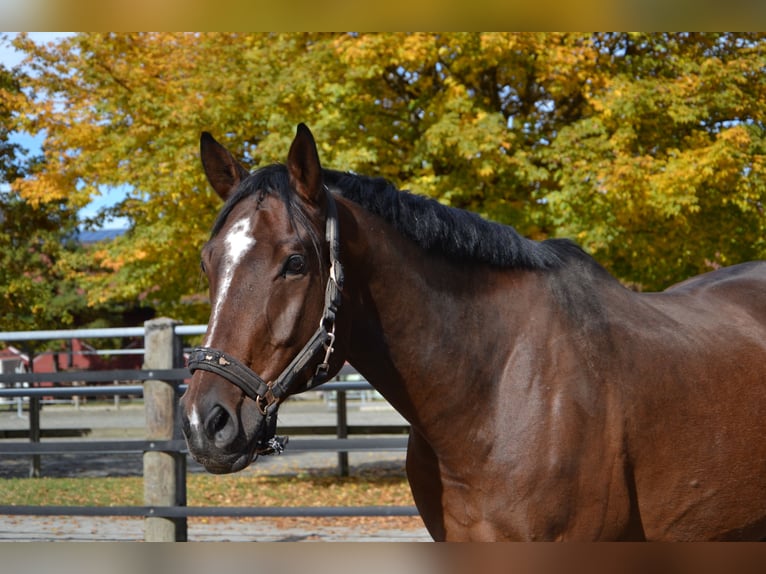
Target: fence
x=164 y=451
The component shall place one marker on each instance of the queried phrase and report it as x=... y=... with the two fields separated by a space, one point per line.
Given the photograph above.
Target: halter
x=267 y=394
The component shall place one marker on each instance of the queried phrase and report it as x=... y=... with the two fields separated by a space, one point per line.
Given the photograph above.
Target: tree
x=665 y=177
x=9 y=151
x=646 y=148
x=42 y=259
x=34 y=290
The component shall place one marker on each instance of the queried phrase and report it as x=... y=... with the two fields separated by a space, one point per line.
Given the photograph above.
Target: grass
x=210 y=490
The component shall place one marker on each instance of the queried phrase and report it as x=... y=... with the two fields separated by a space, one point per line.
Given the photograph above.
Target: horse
x=546 y=400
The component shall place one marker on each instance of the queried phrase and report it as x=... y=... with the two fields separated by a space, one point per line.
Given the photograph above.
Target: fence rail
x=217 y=511
x=169 y=374
x=179 y=446
x=68 y=377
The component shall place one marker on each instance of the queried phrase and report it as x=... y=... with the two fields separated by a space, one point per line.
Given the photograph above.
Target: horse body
x=694 y=406
x=547 y=402
x=600 y=413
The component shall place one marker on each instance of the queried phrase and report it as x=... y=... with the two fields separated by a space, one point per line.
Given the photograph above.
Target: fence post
x=34 y=434
x=34 y=419
x=342 y=430
x=164 y=472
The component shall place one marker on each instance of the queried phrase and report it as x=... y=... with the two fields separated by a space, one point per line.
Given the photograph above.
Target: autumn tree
x=664 y=177
x=10 y=152
x=34 y=239
x=42 y=257
x=646 y=148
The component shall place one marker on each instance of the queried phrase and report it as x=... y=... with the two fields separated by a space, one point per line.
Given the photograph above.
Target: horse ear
x=223 y=171
x=304 y=167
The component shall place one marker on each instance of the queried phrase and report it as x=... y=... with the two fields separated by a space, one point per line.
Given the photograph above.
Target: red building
x=75 y=355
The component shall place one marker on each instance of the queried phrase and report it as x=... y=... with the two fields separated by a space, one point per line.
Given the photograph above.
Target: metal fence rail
x=210 y=511
x=165 y=375
x=398 y=443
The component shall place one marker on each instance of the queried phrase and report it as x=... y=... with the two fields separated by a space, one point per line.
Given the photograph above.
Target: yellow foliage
x=625 y=141
x=43 y=187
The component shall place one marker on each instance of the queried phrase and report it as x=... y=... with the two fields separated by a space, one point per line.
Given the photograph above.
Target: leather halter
x=267 y=394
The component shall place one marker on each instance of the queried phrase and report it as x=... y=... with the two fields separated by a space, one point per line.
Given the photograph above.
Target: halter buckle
x=264 y=402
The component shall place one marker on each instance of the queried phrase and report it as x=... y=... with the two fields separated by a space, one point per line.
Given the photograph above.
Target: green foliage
x=646 y=148
x=37 y=292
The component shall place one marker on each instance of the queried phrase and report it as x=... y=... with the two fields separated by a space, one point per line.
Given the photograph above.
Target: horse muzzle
x=226 y=437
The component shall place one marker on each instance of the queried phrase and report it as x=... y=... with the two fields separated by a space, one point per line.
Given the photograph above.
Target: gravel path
x=101 y=529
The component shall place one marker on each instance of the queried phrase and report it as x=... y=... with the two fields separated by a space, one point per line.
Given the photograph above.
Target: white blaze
x=237 y=241
x=194 y=420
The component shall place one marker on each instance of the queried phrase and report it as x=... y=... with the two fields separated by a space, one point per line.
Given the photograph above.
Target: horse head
x=274 y=280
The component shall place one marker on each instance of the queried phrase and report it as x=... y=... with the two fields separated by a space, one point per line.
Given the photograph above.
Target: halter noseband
x=266 y=394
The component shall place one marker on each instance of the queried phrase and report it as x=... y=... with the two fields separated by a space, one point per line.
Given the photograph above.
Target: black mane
x=457 y=233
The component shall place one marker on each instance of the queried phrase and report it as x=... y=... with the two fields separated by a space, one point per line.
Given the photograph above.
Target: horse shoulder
x=548 y=452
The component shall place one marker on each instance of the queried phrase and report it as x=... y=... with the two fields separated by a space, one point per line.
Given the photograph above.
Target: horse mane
x=458 y=234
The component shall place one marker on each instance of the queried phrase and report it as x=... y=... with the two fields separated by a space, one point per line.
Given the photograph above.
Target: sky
x=10 y=58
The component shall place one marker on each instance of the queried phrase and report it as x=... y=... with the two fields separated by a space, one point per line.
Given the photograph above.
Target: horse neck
x=414 y=318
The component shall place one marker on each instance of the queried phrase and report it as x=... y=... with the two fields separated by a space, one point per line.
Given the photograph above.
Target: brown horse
x=547 y=401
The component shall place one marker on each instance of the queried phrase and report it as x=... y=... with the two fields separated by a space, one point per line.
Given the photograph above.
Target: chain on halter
x=266 y=394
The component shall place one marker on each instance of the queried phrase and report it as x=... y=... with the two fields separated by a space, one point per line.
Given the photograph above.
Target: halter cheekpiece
x=266 y=394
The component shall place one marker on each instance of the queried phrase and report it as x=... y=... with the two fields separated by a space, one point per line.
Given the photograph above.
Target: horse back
x=693 y=407
x=744 y=284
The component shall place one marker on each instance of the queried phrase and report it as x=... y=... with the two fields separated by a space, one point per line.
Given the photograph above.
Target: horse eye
x=202 y=266
x=295 y=265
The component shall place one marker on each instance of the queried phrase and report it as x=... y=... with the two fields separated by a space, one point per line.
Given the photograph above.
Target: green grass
x=212 y=490
x=72 y=491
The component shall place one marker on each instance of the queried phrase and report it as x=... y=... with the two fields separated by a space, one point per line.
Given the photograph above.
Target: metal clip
x=275 y=445
x=334 y=272
x=324 y=367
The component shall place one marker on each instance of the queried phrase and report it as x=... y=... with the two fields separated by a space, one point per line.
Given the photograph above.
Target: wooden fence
x=164 y=451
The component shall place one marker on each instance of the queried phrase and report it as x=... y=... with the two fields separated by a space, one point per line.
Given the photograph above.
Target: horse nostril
x=185 y=426
x=219 y=425
x=216 y=420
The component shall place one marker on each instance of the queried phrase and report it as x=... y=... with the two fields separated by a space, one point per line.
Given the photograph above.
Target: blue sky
x=10 y=58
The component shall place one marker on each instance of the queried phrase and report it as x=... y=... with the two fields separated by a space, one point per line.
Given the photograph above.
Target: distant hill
x=97 y=235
